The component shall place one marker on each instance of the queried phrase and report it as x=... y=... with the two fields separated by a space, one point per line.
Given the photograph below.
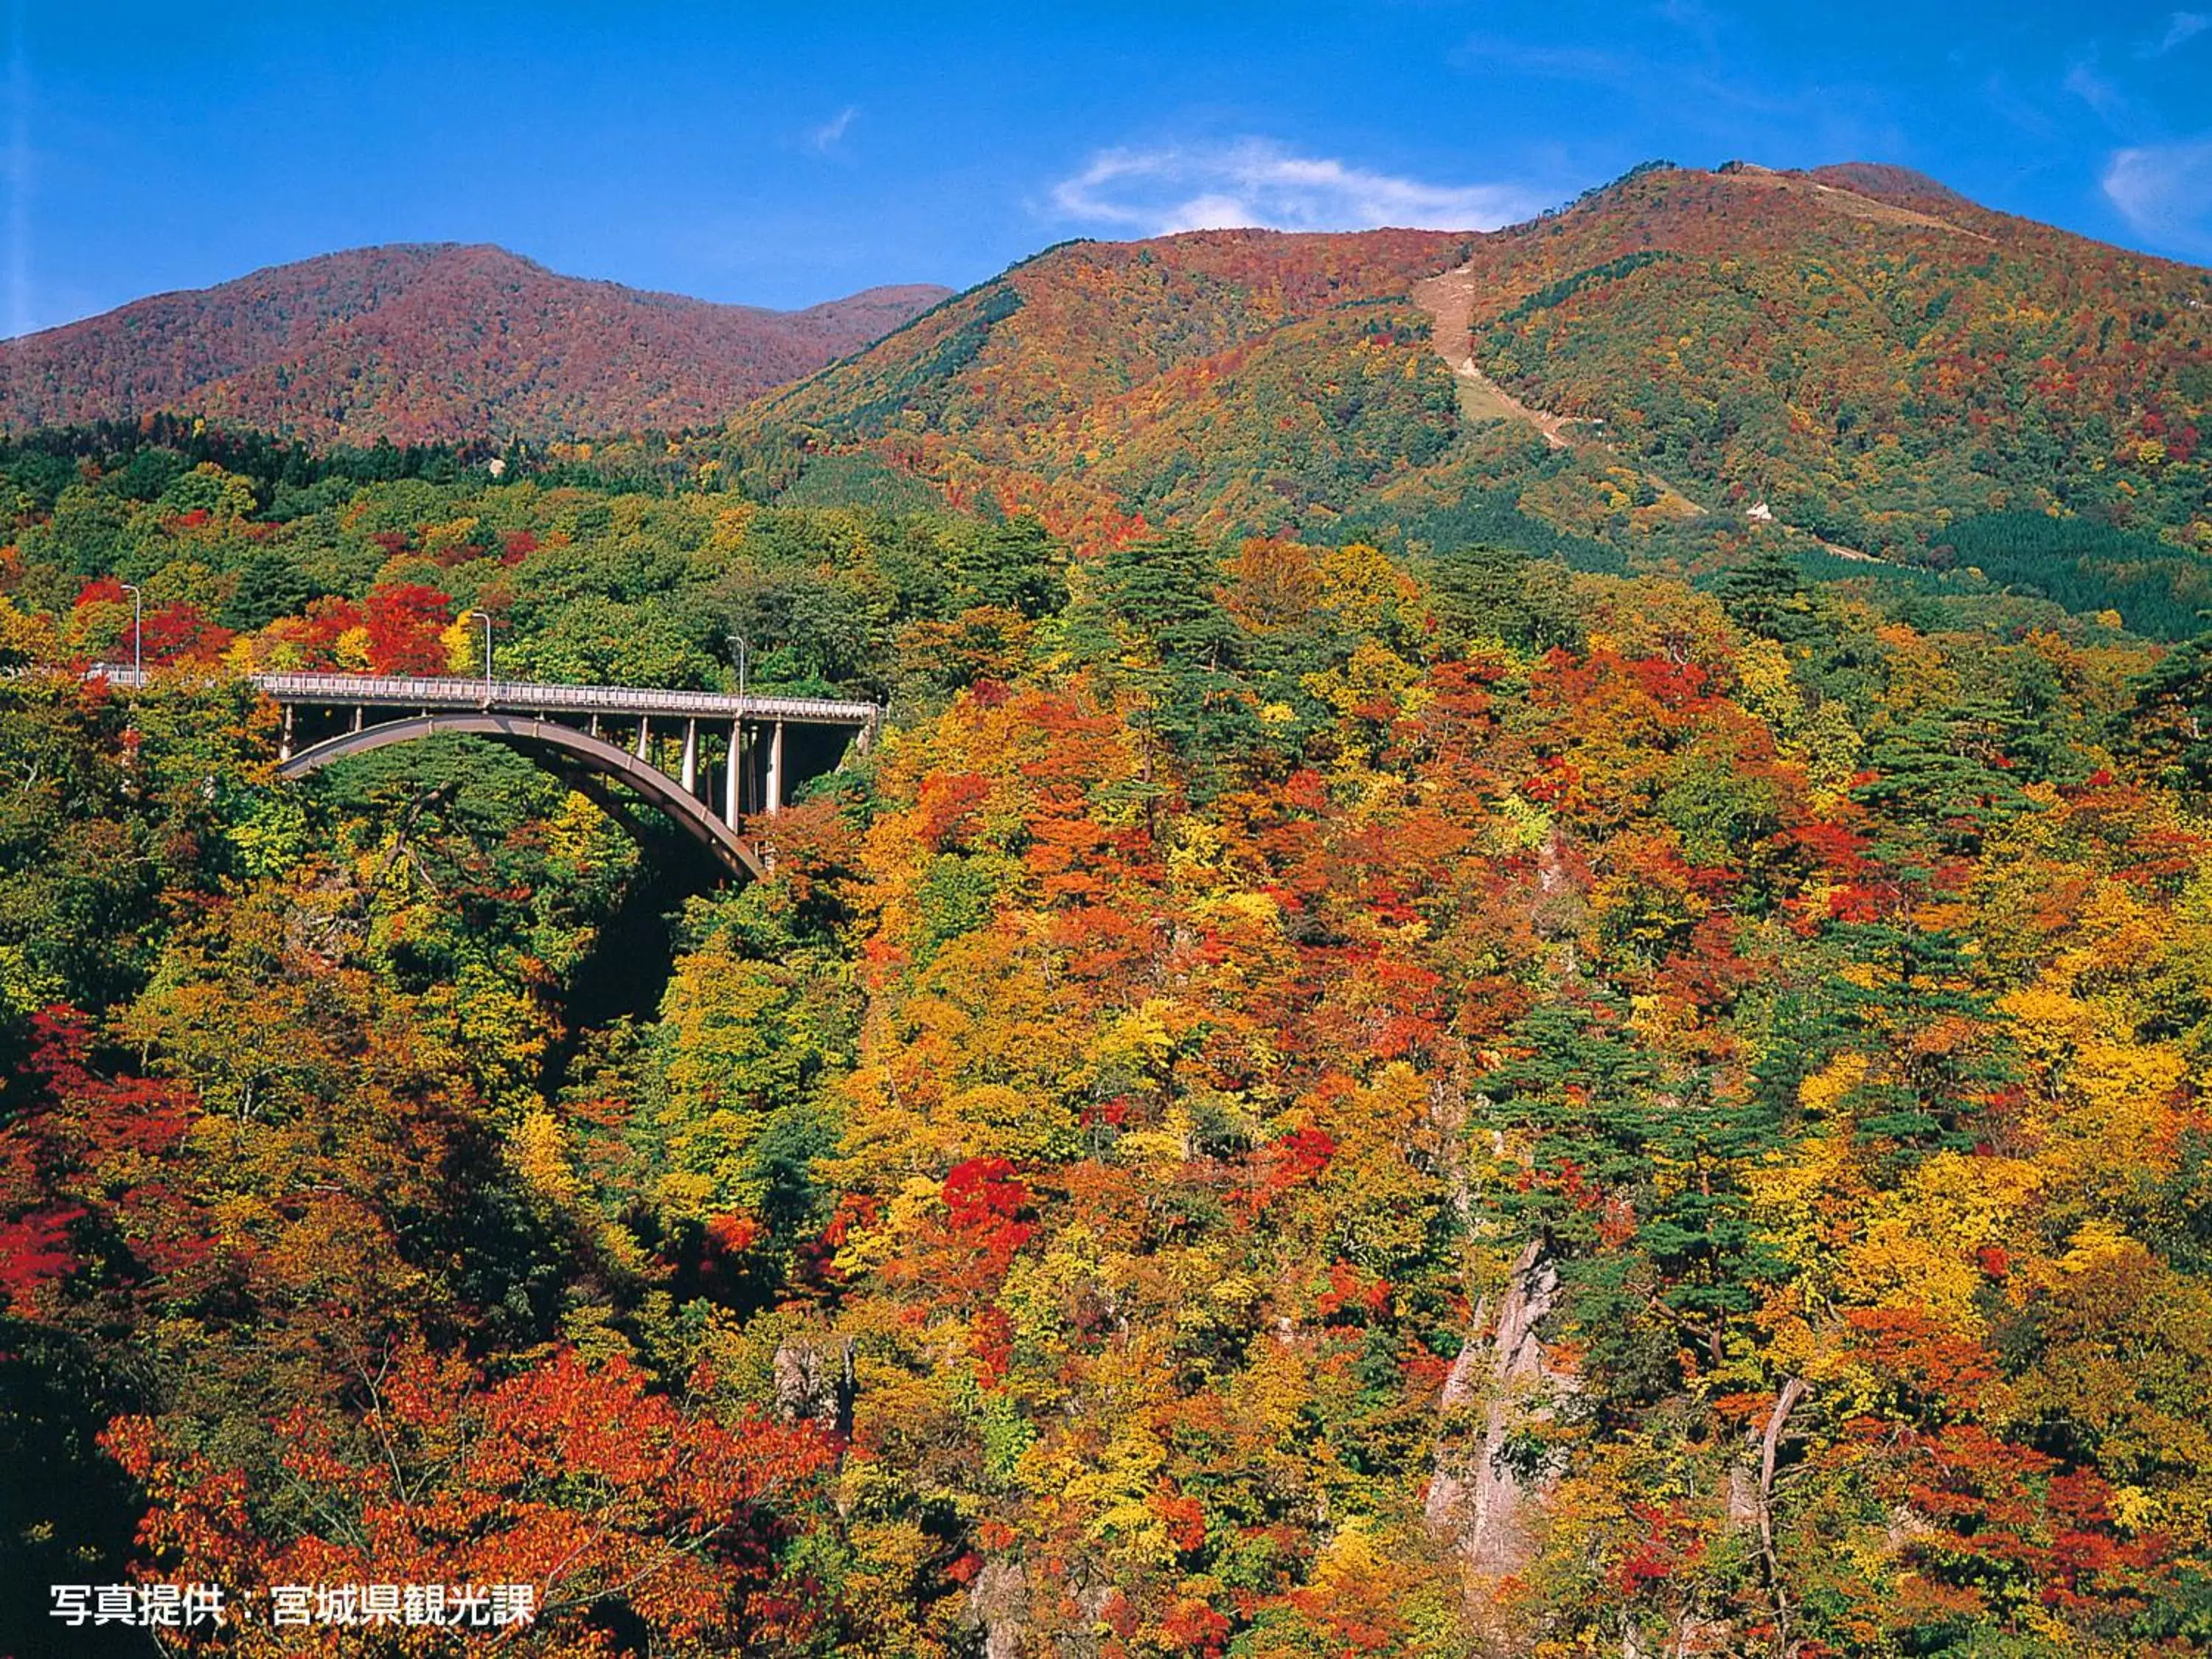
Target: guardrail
x=446 y=692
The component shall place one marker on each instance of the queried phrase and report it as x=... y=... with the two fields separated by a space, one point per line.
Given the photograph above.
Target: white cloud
x=2165 y=190
x=2099 y=91
x=824 y=138
x=1256 y=181
x=2184 y=25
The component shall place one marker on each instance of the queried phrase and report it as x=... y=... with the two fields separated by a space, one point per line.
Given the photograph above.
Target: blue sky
x=782 y=154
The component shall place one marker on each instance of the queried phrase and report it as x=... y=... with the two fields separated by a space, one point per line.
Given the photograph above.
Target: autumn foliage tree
x=1304 y=1098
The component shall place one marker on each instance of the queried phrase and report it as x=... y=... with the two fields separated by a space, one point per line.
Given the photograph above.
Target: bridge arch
x=544 y=742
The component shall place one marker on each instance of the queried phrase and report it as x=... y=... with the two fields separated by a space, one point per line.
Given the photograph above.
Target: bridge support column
x=736 y=771
x=775 y=770
x=284 y=742
x=691 y=757
x=359 y=716
x=644 y=736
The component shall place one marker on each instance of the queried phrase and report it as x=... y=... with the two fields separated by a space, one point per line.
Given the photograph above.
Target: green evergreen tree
x=1159 y=599
x=1766 y=595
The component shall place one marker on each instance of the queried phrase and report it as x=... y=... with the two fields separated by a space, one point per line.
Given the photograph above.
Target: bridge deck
x=388 y=691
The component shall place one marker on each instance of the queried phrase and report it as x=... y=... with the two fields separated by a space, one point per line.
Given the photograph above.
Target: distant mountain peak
x=424 y=341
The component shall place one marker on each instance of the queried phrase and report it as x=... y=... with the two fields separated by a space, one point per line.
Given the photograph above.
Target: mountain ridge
x=422 y=341
x=1860 y=346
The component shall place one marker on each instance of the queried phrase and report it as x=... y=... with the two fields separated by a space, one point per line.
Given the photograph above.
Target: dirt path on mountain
x=1449 y=299
x=1837 y=199
x=1481 y=398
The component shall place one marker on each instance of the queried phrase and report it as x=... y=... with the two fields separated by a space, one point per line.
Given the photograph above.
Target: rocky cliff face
x=1482 y=1498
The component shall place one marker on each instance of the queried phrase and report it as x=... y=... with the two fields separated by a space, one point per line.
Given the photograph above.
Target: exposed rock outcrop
x=1477 y=1499
x=814 y=1381
x=998 y=1603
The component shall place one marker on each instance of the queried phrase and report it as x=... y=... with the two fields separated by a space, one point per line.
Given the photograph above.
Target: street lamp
x=484 y=617
x=137 y=639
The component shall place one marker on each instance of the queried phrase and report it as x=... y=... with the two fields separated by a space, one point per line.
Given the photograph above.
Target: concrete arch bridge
x=715 y=764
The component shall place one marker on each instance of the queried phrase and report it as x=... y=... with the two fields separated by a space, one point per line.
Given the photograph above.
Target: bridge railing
x=413 y=692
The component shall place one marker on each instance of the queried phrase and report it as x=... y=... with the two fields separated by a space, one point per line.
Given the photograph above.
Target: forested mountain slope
x=996 y=391
x=1859 y=347
x=429 y=341
x=1087 y=320
x=1864 y=351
